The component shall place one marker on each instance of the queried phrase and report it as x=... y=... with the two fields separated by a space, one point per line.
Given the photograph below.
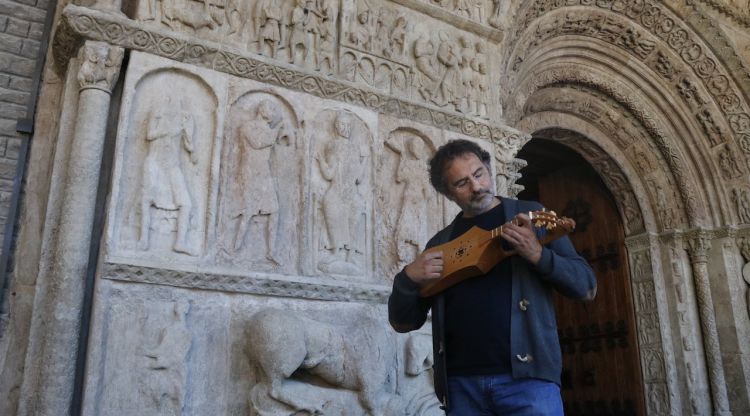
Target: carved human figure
x=712 y=131
x=314 y=23
x=326 y=51
x=361 y=33
x=299 y=46
x=164 y=383
x=481 y=81
x=398 y=36
x=341 y=167
x=258 y=195
x=169 y=133
x=235 y=17
x=742 y=201
x=728 y=164
x=496 y=20
x=467 y=91
x=427 y=76
x=383 y=24
x=270 y=27
x=410 y=228
x=449 y=56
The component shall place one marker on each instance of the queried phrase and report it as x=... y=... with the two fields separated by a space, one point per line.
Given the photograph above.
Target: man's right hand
x=426 y=267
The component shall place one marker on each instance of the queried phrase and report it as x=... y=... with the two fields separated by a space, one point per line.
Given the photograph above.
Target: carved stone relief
x=452 y=72
x=164 y=353
x=155 y=341
x=313 y=366
x=657 y=401
x=741 y=199
x=165 y=190
x=261 y=183
x=81 y=22
x=728 y=164
x=406 y=200
x=687 y=53
x=301 y=32
x=341 y=170
x=664 y=197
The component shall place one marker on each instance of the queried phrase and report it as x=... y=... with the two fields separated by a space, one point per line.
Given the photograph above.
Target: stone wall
x=21 y=29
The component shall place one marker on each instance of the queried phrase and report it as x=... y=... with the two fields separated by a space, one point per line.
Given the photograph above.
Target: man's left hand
x=523 y=238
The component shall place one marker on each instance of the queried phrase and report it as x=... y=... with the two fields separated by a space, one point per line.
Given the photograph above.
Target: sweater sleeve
x=407 y=311
x=569 y=273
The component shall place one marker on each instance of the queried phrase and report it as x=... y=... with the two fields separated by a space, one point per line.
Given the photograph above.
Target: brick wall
x=21 y=28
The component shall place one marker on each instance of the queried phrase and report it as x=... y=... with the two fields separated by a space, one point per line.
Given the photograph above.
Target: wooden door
x=601 y=365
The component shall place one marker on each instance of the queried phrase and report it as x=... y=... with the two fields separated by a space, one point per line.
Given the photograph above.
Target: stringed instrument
x=477 y=251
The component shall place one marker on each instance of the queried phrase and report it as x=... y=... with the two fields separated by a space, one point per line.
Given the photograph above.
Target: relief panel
x=409 y=207
x=152 y=345
x=341 y=194
x=163 y=176
x=261 y=186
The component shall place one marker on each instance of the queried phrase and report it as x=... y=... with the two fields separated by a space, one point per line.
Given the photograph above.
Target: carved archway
x=662 y=115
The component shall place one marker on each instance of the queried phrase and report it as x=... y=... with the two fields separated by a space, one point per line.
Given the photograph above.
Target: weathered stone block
x=16 y=65
x=12 y=148
x=17 y=27
x=36 y=30
x=7 y=126
x=10 y=110
x=21 y=11
x=27 y=2
x=18 y=83
x=7 y=168
x=30 y=49
x=10 y=43
x=13 y=97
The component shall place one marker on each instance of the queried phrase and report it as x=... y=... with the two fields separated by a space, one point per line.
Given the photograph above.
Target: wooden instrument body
x=472 y=254
x=477 y=251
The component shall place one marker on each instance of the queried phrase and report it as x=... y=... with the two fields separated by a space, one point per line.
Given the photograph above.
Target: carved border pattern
x=731 y=12
x=119 y=31
x=670 y=155
x=653 y=356
x=640 y=241
x=269 y=286
x=676 y=35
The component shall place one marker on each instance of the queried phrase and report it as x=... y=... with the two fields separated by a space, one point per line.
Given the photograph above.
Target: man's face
x=469 y=185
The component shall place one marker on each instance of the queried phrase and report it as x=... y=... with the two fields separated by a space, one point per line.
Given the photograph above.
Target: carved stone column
x=49 y=389
x=698 y=245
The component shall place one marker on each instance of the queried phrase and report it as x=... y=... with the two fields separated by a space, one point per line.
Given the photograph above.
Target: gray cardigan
x=534 y=345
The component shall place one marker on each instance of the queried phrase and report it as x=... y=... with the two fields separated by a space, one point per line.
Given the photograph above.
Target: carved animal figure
x=359 y=359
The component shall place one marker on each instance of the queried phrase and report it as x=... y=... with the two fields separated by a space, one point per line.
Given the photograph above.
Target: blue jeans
x=501 y=395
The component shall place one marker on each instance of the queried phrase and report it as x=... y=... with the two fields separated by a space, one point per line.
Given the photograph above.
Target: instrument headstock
x=550 y=221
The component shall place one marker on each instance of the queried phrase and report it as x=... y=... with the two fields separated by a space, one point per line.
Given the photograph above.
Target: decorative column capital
x=744 y=245
x=698 y=245
x=100 y=65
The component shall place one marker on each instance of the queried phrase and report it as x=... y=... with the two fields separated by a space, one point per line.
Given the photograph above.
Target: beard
x=480 y=203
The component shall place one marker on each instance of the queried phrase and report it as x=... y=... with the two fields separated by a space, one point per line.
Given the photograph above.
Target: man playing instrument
x=495 y=338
